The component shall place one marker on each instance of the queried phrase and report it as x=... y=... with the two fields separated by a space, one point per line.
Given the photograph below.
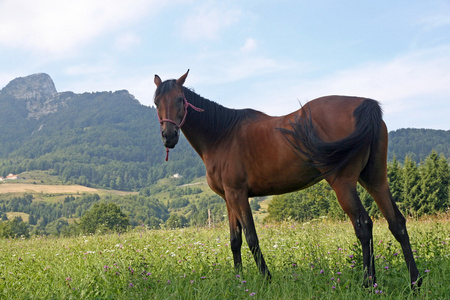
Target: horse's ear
x=181 y=80
x=157 y=80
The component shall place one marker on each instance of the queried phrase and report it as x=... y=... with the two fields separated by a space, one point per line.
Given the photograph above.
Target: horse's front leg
x=235 y=238
x=237 y=204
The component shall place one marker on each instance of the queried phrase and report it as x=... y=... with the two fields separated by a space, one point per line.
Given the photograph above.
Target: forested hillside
x=105 y=139
x=418 y=143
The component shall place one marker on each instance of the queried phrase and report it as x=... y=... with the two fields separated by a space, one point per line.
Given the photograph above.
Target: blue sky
x=266 y=55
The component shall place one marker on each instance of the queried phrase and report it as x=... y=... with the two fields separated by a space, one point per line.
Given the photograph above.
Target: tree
x=395 y=180
x=103 y=217
x=55 y=227
x=411 y=191
x=176 y=221
x=14 y=228
x=32 y=220
x=313 y=202
x=435 y=180
x=254 y=205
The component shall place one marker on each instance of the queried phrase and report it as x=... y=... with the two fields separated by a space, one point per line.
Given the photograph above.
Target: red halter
x=186 y=105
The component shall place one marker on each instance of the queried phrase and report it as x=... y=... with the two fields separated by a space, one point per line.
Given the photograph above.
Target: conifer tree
x=395 y=180
x=411 y=187
x=434 y=185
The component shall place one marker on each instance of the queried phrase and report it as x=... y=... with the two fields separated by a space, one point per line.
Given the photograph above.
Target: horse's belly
x=283 y=183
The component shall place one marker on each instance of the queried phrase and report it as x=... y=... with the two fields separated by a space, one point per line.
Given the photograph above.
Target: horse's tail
x=332 y=156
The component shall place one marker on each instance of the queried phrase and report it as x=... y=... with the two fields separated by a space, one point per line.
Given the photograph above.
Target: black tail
x=332 y=156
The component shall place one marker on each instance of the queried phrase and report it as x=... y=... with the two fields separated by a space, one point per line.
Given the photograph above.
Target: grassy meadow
x=315 y=260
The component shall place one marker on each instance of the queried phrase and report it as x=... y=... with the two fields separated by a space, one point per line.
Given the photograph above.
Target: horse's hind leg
x=374 y=179
x=397 y=225
x=348 y=199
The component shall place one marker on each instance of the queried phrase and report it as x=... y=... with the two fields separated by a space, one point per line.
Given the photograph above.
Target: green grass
x=308 y=261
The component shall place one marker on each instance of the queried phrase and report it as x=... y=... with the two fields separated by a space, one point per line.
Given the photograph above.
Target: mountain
x=418 y=143
x=110 y=140
x=104 y=139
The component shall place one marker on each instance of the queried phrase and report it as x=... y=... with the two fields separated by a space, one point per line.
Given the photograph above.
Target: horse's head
x=171 y=107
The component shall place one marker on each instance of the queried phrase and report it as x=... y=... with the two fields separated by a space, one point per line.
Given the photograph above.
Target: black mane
x=216 y=120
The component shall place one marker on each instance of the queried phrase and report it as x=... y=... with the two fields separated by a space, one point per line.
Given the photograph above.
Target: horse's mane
x=217 y=120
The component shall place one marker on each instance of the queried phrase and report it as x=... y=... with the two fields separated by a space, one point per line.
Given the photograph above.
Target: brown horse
x=248 y=153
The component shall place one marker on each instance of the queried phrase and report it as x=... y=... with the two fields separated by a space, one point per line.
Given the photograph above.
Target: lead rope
x=186 y=105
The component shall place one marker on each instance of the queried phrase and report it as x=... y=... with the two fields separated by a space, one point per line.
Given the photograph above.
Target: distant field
x=42 y=188
x=12 y=215
x=52 y=193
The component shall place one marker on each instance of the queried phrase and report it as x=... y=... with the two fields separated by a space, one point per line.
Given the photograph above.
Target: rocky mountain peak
x=34 y=87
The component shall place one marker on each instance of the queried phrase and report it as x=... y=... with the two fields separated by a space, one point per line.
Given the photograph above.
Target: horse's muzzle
x=170 y=138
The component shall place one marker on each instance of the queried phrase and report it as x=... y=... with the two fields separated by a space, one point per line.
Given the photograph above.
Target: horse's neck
x=204 y=129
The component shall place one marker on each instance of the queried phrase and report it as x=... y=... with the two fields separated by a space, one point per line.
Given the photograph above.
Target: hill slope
x=105 y=139
x=418 y=143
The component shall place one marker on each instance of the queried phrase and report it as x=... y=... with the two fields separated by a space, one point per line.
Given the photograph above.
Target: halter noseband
x=186 y=105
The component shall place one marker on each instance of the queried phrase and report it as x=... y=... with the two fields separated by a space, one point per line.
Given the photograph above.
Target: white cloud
x=249 y=46
x=58 y=27
x=126 y=41
x=205 y=22
x=88 y=69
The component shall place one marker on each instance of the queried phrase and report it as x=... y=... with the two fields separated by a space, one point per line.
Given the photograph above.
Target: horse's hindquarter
x=332 y=116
